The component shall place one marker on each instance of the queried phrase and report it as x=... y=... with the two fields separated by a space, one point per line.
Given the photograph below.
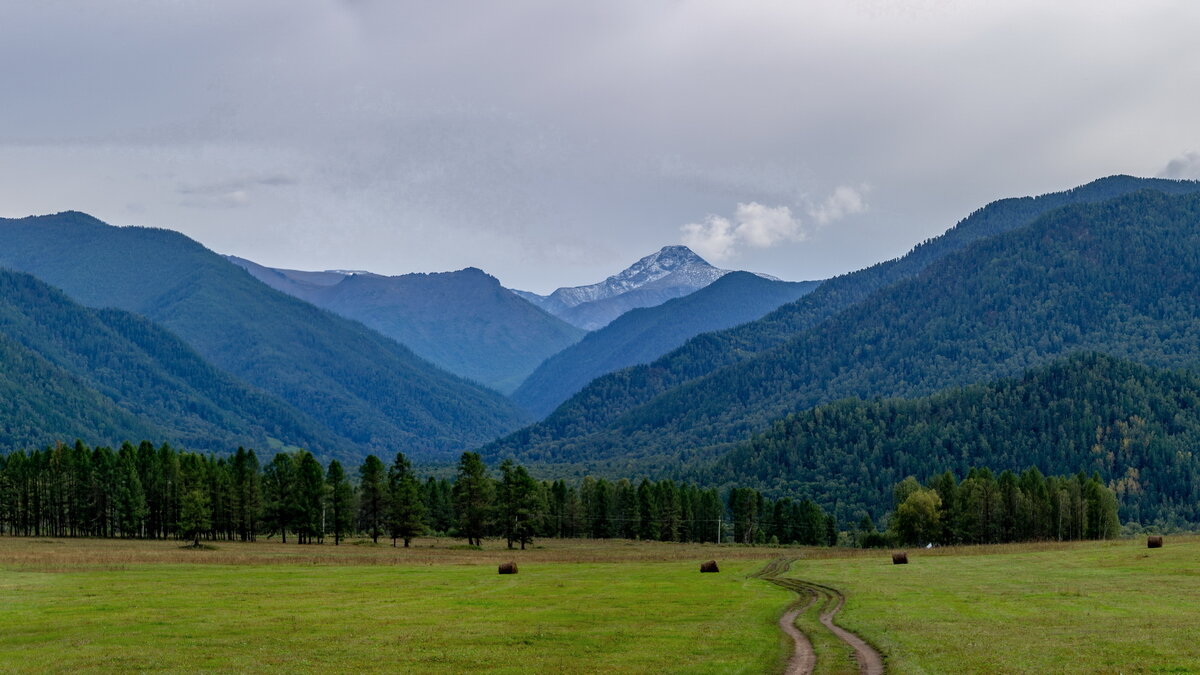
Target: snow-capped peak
x=675 y=266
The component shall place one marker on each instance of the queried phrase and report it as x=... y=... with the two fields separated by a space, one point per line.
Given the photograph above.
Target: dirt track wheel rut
x=803 y=659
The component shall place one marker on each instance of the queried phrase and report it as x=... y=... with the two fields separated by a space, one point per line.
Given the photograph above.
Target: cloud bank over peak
x=759 y=226
x=549 y=142
x=1185 y=166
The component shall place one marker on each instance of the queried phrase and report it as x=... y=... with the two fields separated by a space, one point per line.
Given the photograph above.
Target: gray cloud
x=1185 y=166
x=756 y=226
x=227 y=194
x=548 y=142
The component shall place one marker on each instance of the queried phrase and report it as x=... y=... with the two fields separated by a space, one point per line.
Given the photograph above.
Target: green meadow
x=376 y=609
x=588 y=606
x=1095 y=607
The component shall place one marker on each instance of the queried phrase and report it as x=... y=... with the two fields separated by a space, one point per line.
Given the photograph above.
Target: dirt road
x=803 y=659
x=831 y=600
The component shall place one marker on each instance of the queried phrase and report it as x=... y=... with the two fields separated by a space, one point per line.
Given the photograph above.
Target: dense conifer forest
x=71 y=371
x=157 y=492
x=1132 y=425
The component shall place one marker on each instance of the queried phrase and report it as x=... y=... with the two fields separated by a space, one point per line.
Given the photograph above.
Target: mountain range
x=367 y=391
x=1055 y=331
x=464 y=321
x=957 y=309
x=642 y=335
x=104 y=375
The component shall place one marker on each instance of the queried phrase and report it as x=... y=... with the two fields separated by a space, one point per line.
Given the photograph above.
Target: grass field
x=574 y=607
x=588 y=606
x=1098 y=607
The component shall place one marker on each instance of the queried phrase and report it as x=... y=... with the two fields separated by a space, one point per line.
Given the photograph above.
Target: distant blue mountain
x=359 y=385
x=642 y=335
x=463 y=321
x=104 y=376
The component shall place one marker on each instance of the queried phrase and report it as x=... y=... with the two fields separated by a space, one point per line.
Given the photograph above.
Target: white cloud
x=845 y=201
x=756 y=225
x=753 y=224
x=764 y=226
x=1185 y=166
x=713 y=239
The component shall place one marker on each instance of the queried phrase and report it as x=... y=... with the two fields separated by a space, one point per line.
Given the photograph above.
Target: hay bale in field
x=900 y=558
x=710 y=566
x=508 y=568
x=1154 y=541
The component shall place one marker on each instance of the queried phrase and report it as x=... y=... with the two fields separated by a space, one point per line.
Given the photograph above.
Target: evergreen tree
x=279 y=488
x=439 y=502
x=130 y=501
x=670 y=515
x=310 y=498
x=519 y=503
x=628 y=510
x=195 y=517
x=743 y=505
x=648 y=511
x=247 y=490
x=372 y=502
x=341 y=501
x=406 y=510
x=473 y=494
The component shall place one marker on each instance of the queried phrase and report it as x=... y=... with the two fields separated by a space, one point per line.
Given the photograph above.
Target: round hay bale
x=710 y=566
x=900 y=558
x=1154 y=541
x=508 y=568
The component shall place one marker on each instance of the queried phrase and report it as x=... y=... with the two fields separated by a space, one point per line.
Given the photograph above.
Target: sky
x=554 y=143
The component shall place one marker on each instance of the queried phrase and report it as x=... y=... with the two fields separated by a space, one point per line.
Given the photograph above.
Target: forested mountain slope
x=642 y=335
x=1135 y=425
x=595 y=420
x=463 y=321
x=105 y=376
x=360 y=385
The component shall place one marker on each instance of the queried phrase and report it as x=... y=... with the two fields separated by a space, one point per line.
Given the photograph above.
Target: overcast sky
x=552 y=143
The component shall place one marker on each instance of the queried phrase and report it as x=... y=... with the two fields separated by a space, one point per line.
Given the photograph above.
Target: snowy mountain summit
x=672 y=272
x=671 y=266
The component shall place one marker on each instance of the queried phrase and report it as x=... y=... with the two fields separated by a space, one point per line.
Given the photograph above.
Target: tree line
x=987 y=509
x=1134 y=425
x=159 y=492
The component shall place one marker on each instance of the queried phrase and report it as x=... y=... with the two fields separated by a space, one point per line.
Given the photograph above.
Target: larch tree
x=372 y=489
x=473 y=493
x=341 y=502
x=279 y=488
x=310 y=498
x=519 y=502
x=406 y=509
x=194 y=516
